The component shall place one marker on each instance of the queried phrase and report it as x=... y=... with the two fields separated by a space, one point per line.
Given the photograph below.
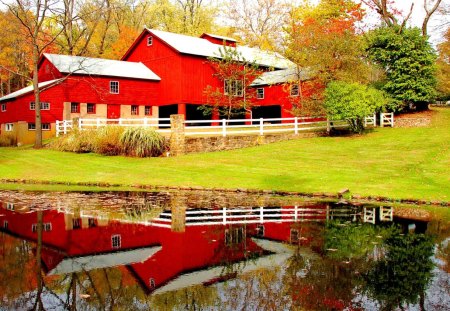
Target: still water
x=166 y=251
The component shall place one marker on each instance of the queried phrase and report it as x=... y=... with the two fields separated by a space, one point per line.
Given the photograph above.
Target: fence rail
x=223 y=127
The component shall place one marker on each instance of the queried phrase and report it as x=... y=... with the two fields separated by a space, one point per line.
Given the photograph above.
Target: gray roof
x=101 y=67
x=202 y=47
x=281 y=76
x=27 y=89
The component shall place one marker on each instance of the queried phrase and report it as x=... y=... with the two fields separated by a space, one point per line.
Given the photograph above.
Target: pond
x=191 y=251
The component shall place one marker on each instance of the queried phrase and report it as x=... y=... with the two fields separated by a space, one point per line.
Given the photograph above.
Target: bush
x=142 y=142
x=7 y=140
x=353 y=102
x=76 y=141
x=107 y=140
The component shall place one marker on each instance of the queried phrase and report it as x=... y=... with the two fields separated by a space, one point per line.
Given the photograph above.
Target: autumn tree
x=258 y=23
x=443 y=64
x=36 y=18
x=391 y=16
x=236 y=73
x=323 y=41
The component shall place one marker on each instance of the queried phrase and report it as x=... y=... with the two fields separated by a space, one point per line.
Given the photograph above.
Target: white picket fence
x=223 y=127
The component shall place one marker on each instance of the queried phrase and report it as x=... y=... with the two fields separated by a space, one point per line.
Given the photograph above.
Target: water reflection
x=313 y=256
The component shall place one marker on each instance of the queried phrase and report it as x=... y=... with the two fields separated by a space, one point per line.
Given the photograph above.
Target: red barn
x=72 y=87
x=162 y=73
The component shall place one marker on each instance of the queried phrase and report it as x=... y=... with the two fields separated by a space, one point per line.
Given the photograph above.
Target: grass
x=392 y=162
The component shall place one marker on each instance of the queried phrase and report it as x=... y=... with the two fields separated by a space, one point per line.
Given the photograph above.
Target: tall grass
x=7 y=140
x=142 y=142
x=113 y=140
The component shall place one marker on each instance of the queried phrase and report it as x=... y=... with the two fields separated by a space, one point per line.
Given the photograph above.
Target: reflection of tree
x=192 y=298
x=402 y=276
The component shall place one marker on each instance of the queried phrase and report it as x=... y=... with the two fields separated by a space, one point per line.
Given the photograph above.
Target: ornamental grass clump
x=142 y=142
x=107 y=140
x=77 y=141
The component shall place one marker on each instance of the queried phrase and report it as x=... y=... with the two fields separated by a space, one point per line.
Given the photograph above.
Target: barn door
x=113 y=111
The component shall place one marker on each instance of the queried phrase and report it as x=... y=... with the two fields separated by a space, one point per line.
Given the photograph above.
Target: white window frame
x=94 y=106
x=132 y=112
x=148 y=109
x=33 y=227
x=44 y=106
x=9 y=127
x=294 y=91
x=116 y=241
x=149 y=40
x=233 y=87
x=114 y=87
x=74 y=104
x=47 y=226
x=260 y=93
x=3 y=107
x=44 y=126
x=10 y=206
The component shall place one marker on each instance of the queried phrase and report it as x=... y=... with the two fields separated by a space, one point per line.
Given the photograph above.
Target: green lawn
x=397 y=163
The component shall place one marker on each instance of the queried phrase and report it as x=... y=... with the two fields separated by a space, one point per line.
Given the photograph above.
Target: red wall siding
x=47 y=71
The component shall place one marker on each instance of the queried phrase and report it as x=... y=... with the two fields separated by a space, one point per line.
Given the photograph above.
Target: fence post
x=98 y=122
x=261 y=126
x=120 y=121
x=224 y=128
x=296 y=125
x=177 y=137
x=65 y=127
x=381 y=119
x=145 y=121
x=328 y=126
x=374 y=120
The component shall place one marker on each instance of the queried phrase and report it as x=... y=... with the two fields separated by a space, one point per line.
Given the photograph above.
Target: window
x=10 y=206
x=134 y=110
x=91 y=223
x=44 y=106
x=116 y=241
x=45 y=126
x=151 y=282
x=91 y=108
x=294 y=236
x=9 y=127
x=260 y=93
x=149 y=40
x=3 y=107
x=260 y=231
x=114 y=87
x=47 y=226
x=294 y=90
x=75 y=107
x=148 y=110
x=33 y=227
x=234 y=236
x=5 y=225
x=76 y=223
x=233 y=87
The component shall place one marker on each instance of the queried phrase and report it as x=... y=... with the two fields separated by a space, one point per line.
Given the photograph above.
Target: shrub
x=107 y=140
x=7 y=140
x=76 y=141
x=142 y=142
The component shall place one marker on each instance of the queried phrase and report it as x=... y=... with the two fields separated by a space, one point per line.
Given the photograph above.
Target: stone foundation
x=219 y=143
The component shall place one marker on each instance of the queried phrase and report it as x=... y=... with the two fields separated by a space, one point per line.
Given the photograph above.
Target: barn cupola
x=219 y=39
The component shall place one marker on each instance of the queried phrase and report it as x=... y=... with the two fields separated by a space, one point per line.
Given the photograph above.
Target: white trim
x=258 y=94
x=3 y=107
x=9 y=127
x=149 y=40
x=114 y=87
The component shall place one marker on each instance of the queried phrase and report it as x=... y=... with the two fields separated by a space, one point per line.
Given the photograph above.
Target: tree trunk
x=37 y=101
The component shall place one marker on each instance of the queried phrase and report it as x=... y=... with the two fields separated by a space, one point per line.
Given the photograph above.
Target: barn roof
x=281 y=76
x=100 y=67
x=27 y=89
x=202 y=47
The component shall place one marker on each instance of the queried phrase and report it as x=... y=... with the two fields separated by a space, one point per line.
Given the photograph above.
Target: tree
x=35 y=17
x=443 y=64
x=352 y=102
x=236 y=73
x=257 y=23
x=408 y=61
x=324 y=43
x=390 y=14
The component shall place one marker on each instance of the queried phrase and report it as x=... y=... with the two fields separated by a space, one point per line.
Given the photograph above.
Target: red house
x=162 y=73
